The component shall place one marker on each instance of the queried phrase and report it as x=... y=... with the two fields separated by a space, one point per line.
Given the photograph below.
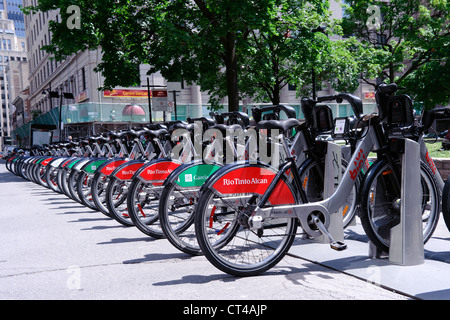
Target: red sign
x=369 y=95
x=46 y=161
x=124 y=93
x=110 y=167
x=159 y=171
x=82 y=96
x=254 y=180
x=159 y=93
x=127 y=172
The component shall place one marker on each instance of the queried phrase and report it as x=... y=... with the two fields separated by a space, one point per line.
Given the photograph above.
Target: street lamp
x=52 y=94
x=55 y=94
x=66 y=95
x=320 y=29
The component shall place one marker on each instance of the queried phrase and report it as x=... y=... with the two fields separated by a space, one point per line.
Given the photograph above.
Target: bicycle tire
x=83 y=189
x=117 y=190
x=380 y=209
x=446 y=204
x=177 y=204
x=100 y=183
x=223 y=235
x=142 y=206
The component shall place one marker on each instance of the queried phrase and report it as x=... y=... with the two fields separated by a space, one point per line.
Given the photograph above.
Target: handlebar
x=233 y=118
x=429 y=116
x=354 y=101
x=258 y=111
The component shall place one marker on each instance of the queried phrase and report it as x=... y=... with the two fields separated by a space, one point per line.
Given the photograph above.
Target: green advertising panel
x=195 y=176
x=93 y=166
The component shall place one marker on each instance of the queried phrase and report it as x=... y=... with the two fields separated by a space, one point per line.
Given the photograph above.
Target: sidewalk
x=53 y=248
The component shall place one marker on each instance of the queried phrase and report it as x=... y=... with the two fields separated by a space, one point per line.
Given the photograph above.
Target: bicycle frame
x=425 y=157
x=321 y=209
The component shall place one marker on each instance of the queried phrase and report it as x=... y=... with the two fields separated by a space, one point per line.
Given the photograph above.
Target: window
x=83 y=78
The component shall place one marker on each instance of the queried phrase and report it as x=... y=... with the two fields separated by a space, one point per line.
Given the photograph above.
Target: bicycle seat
x=117 y=135
x=134 y=134
x=184 y=125
x=150 y=134
x=282 y=125
x=224 y=127
x=97 y=139
x=387 y=88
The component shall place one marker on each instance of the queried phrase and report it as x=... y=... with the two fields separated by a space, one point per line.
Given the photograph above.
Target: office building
x=13 y=57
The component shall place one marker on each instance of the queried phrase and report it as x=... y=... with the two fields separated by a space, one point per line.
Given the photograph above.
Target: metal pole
x=175 y=102
x=313 y=83
x=60 y=111
x=149 y=101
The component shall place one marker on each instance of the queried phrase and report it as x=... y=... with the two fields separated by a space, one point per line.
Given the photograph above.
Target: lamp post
x=52 y=94
x=66 y=95
x=149 y=94
x=320 y=29
x=55 y=94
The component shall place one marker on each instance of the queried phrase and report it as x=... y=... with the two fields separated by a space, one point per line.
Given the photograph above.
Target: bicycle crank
x=335 y=245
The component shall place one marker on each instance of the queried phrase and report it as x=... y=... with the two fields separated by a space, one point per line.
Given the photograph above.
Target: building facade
x=68 y=90
x=13 y=58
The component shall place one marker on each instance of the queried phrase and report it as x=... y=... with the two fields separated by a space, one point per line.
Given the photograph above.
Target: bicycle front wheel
x=142 y=206
x=381 y=203
x=176 y=214
x=223 y=233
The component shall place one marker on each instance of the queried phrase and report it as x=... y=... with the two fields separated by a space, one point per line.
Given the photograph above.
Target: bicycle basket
x=400 y=111
x=323 y=118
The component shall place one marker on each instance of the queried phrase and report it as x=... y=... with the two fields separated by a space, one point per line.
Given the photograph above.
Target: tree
x=408 y=37
x=430 y=84
x=218 y=44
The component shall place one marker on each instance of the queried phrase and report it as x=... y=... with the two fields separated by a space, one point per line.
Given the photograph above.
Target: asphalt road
x=53 y=248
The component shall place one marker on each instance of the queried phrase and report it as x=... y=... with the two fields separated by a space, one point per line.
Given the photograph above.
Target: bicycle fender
x=157 y=171
x=92 y=166
x=126 y=170
x=193 y=174
x=255 y=178
x=109 y=166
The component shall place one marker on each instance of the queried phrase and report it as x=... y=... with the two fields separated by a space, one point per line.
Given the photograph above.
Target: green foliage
x=230 y=48
x=411 y=44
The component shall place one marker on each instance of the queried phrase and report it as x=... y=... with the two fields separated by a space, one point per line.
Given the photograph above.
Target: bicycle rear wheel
x=116 y=200
x=381 y=203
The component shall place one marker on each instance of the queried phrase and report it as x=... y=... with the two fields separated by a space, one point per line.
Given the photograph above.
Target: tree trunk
x=276 y=94
x=231 y=72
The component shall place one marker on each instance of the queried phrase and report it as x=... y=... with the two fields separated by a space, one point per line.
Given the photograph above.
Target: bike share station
x=404 y=269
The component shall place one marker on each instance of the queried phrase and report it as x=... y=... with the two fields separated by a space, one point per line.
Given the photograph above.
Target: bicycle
x=380 y=192
x=181 y=191
x=121 y=179
x=248 y=214
x=144 y=193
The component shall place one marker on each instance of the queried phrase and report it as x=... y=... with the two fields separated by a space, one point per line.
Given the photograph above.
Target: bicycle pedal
x=338 y=245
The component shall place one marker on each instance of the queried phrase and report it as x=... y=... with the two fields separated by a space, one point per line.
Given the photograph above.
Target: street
x=55 y=249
